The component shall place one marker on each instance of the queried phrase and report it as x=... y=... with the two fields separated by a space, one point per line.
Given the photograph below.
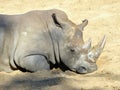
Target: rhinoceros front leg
x=34 y=63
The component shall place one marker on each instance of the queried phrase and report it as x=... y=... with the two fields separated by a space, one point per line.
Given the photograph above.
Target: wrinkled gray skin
x=33 y=40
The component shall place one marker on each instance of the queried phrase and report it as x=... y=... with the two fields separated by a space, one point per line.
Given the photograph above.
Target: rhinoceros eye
x=72 y=50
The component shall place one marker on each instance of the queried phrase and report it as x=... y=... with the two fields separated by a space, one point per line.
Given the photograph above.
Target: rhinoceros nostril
x=82 y=70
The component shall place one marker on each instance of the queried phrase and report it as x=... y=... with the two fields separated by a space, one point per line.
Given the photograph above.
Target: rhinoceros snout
x=85 y=70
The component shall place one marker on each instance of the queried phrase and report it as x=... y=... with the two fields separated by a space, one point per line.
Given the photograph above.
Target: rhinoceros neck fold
x=55 y=43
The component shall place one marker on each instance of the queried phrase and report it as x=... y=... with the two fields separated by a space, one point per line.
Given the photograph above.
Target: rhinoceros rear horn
x=83 y=24
x=87 y=45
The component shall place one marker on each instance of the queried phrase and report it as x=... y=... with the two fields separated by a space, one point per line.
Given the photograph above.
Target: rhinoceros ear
x=57 y=23
x=83 y=24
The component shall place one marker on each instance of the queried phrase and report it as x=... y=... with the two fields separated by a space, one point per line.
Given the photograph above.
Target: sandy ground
x=104 y=18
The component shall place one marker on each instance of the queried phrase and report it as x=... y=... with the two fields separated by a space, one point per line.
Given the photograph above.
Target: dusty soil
x=104 y=18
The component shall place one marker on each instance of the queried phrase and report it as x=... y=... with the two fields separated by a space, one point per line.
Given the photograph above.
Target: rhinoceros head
x=74 y=53
x=86 y=60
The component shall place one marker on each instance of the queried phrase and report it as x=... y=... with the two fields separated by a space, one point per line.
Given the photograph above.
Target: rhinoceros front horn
x=97 y=50
x=101 y=45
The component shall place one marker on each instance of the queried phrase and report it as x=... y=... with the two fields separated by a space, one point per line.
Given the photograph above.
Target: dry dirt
x=104 y=18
